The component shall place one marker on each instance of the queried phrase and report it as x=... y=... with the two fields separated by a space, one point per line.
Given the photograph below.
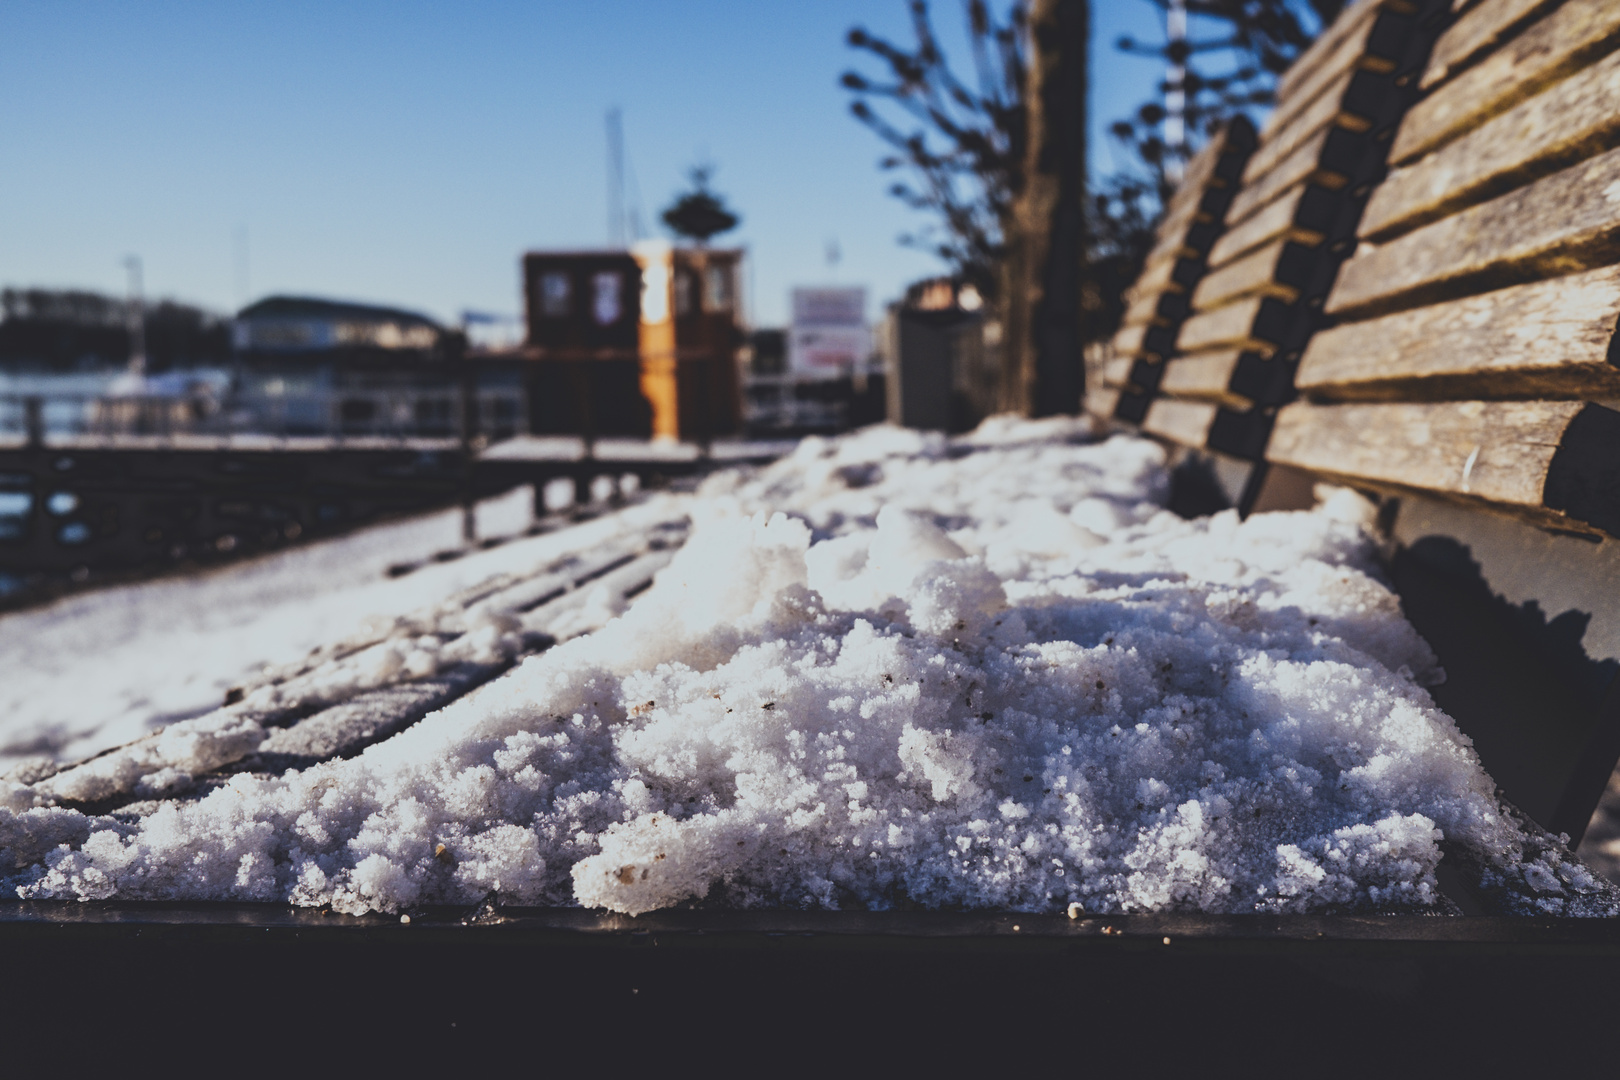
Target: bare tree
x=1042 y=368
x=1000 y=161
x=1229 y=65
x=964 y=140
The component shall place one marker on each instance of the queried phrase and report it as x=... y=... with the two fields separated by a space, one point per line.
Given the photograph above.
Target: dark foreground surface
x=771 y=991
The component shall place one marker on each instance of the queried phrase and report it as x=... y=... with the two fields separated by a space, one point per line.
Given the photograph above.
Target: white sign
x=828 y=352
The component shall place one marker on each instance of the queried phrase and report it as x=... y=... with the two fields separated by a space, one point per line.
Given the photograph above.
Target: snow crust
x=892 y=670
x=98 y=669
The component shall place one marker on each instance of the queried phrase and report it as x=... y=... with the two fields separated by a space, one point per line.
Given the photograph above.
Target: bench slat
x=1557 y=462
x=1346 y=26
x=1475 y=31
x=1573 y=36
x=1144 y=340
x=1325 y=159
x=1184 y=422
x=1279 y=269
x=1175 y=274
x=1561 y=223
x=1204 y=377
x=1102 y=401
x=1117 y=371
x=1349 y=102
x=1547 y=338
x=1161 y=309
x=1216 y=167
x=1256 y=324
x=1572 y=119
x=1375 y=45
x=1173 y=236
x=1303 y=215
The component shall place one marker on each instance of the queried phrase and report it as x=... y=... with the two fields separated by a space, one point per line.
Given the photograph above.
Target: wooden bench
x=1159 y=302
x=1289 y=225
x=1460 y=367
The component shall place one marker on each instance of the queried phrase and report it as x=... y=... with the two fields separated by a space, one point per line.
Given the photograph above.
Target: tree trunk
x=1042 y=367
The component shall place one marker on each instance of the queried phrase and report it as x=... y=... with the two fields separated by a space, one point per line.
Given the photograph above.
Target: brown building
x=641 y=343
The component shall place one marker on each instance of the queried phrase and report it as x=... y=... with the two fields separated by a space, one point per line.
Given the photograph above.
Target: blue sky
x=408 y=152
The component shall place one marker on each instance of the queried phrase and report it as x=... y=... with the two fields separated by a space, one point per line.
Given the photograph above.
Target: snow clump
x=895 y=670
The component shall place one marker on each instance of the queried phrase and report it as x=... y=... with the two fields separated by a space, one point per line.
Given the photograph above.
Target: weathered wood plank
x=1117 y=372
x=1572 y=37
x=1184 y=422
x=1255 y=324
x=1167 y=275
x=1561 y=223
x=1480 y=29
x=1350 y=22
x=1571 y=120
x=1101 y=401
x=1191 y=240
x=1325 y=159
x=1204 y=377
x=1375 y=45
x=1200 y=175
x=1303 y=215
x=1349 y=102
x=1218 y=166
x=1547 y=339
x=1128 y=340
x=1495 y=452
x=1161 y=309
x=1279 y=269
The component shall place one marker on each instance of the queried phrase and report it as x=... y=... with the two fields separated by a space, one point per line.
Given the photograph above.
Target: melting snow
x=892 y=670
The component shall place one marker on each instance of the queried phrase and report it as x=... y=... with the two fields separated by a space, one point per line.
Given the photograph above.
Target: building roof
x=309 y=307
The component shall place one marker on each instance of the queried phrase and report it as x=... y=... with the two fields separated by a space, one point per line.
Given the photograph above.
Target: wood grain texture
x=1196 y=179
x=1302 y=215
x=1161 y=309
x=1204 y=377
x=1278 y=269
x=1554 y=462
x=1190 y=239
x=1497 y=452
x=1144 y=340
x=1167 y=274
x=1573 y=36
x=1546 y=339
x=1184 y=422
x=1117 y=371
x=1324 y=159
x=1571 y=120
x=1487 y=24
x=1374 y=45
x=1217 y=166
x=1254 y=324
x=1128 y=341
x=1101 y=401
x=1351 y=22
x=1565 y=222
x=1349 y=102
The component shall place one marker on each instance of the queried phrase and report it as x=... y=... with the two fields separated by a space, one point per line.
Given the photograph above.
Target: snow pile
x=98 y=669
x=891 y=670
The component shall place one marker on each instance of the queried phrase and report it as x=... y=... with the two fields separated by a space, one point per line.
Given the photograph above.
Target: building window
x=556 y=293
x=607 y=303
x=685 y=287
x=720 y=294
